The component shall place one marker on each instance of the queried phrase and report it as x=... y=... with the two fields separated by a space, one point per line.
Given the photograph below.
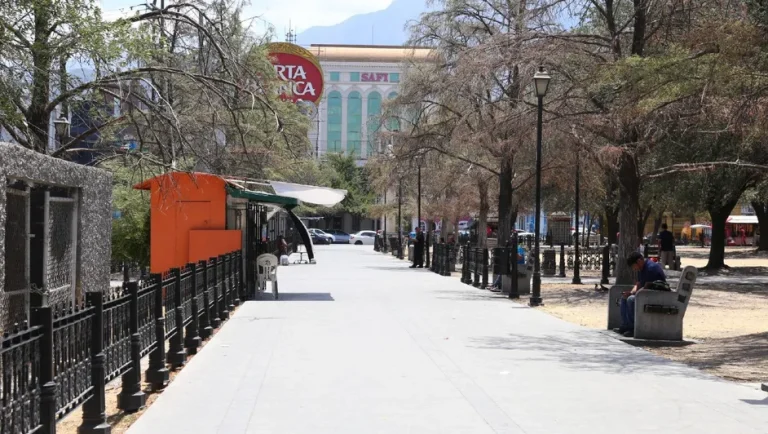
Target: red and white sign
x=300 y=70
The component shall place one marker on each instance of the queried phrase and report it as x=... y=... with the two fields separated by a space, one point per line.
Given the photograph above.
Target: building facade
x=359 y=79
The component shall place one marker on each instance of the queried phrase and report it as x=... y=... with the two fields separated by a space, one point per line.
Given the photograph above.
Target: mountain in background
x=384 y=27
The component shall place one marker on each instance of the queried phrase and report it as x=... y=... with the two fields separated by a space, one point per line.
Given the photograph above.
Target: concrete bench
x=658 y=314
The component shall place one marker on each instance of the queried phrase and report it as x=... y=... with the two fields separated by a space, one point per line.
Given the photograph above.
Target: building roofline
x=404 y=47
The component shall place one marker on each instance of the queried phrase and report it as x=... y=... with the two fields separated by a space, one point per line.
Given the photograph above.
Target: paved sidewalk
x=360 y=344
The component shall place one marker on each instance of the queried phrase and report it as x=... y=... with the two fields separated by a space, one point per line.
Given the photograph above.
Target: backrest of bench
x=685 y=285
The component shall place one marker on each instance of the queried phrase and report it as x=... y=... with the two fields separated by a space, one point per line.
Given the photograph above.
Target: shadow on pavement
x=397 y=268
x=587 y=350
x=305 y=296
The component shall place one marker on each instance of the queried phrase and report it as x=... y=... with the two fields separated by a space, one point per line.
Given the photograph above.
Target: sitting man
x=647 y=273
x=496 y=287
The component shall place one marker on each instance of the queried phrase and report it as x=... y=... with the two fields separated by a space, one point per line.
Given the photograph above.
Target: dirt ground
x=730 y=320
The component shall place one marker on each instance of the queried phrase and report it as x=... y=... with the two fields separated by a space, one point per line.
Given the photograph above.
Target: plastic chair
x=266 y=266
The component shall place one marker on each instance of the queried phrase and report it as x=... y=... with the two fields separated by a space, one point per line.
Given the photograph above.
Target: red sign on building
x=300 y=70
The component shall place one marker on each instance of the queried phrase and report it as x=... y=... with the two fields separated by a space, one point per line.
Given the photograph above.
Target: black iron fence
x=64 y=358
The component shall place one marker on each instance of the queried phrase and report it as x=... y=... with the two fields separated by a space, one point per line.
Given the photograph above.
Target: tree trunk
x=482 y=224
x=611 y=223
x=505 y=201
x=629 y=205
x=656 y=226
x=761 y=209
x=641 y=221
x=717 y=248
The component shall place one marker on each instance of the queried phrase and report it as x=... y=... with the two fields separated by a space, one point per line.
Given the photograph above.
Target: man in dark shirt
x=666 y=247
x=647 y=273
x=418 y=250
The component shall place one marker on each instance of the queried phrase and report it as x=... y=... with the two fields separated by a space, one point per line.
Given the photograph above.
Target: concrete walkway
x=360 y=344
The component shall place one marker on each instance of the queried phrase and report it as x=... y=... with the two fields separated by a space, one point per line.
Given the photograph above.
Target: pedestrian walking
x=666 y=247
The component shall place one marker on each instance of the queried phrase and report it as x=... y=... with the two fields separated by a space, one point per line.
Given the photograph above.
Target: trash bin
x=410 y=252
x=548 y=265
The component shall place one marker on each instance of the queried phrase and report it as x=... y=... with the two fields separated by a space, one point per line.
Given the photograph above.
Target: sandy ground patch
x=729 y=319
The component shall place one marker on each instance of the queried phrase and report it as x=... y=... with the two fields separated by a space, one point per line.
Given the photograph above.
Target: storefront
x=741 y=230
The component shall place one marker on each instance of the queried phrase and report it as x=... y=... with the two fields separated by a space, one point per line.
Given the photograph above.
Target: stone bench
x=658 y=314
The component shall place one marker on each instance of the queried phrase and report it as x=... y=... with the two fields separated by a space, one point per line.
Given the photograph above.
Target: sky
x=301 y=14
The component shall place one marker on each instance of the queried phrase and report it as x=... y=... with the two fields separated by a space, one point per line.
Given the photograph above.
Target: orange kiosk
x=197 y=216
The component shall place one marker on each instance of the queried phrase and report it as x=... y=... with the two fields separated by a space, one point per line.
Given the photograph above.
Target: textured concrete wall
x=95 y=206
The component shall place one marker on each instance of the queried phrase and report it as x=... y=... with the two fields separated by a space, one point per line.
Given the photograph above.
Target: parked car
x=362 y=238
x=339 y=236
x=319 y=239
x=330 y=238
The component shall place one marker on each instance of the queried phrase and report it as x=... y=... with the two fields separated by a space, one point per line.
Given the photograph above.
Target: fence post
x=514 y=290
x=241 y=277
x=95 y=408
x=215 y=320
x=192 y=334
x=223 y=312
x=131 y=397
x=157 y=374
x=205 y=322
x=562 y=260
x=233 y=268
x=230 y=282
x=177 y=355
x=485 y=268
x=43 y=316
x=606 y=264
x=126 y=274
x=464 y=266
x=476 y=268
x=448 y=253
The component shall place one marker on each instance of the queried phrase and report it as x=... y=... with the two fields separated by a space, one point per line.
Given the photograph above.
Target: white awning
x=309 y=193
x=742 y=220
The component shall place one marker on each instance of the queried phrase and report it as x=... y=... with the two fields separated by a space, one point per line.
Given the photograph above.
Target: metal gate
x=50 y=264
x=15 y=298
x=60 y=253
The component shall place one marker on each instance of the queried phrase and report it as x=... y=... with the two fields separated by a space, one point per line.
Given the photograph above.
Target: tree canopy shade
x=186 y=81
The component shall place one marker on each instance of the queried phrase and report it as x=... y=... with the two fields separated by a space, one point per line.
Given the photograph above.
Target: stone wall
x=94 y=203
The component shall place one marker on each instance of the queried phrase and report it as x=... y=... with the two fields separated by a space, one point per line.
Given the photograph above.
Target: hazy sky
x=302 y=14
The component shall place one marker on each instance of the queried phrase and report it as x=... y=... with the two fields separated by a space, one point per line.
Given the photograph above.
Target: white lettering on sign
x=295 y=75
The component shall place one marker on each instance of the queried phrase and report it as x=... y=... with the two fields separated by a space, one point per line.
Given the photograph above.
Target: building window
x=393 y=124
x=374 y=113
x=394 y=77
x=334 y=122
x=354 y=76
x=354 y=123
x=334 y=76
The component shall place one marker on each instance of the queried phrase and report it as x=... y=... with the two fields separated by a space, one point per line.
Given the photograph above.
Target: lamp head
x=541 y=82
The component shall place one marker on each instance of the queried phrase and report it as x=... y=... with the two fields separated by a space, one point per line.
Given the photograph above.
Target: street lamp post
x=577 y=259
x=61 y=125
x=384 y=235
x=541 y=85
x=419 y=162
x=399 y=219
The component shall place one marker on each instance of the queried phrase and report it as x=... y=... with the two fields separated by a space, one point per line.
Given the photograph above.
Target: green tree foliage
x=130 y=230
x=341 y=172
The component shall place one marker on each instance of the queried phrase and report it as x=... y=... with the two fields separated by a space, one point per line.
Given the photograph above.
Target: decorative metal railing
x=65 y=357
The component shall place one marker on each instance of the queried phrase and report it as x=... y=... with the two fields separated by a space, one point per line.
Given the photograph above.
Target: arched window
x=334 y=122
x=374 y=112
x=354 y=123
x=394 y=123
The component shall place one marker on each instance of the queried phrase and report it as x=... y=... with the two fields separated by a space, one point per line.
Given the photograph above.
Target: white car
x=362 y=238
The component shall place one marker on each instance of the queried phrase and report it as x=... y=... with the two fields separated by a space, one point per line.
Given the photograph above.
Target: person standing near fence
x=418 y=250
x=666 y=247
